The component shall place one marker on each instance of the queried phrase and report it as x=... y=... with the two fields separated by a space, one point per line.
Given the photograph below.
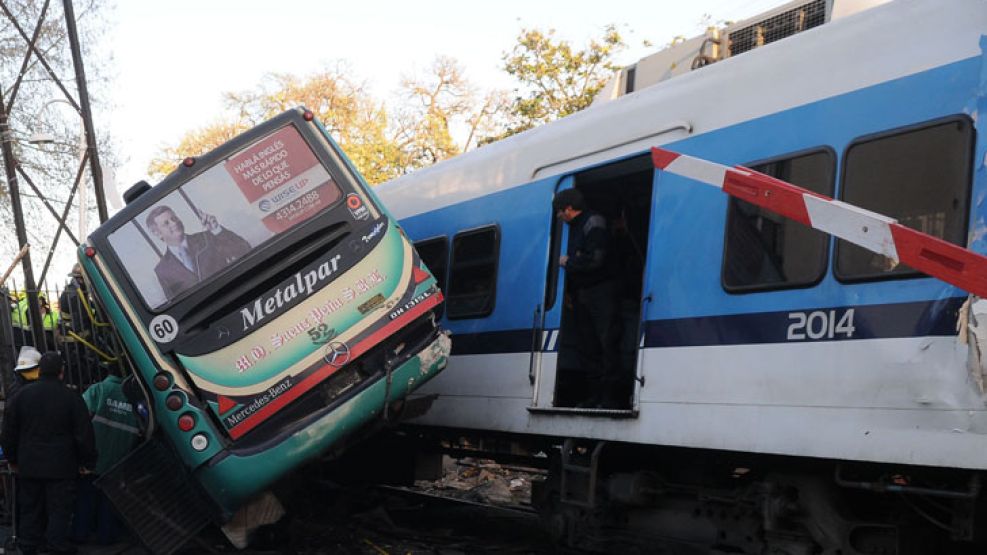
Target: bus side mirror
x=135 y=191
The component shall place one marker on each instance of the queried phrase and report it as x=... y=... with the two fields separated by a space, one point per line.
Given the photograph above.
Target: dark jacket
x=47 y=432
x=590 y=251
x=210 y=253
x=17 y=384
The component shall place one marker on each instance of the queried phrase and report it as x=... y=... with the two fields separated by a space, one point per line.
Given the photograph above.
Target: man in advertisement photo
x=191 y=257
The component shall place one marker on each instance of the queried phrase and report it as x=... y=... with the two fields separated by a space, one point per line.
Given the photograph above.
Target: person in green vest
x=117 y=433
x=20 y=317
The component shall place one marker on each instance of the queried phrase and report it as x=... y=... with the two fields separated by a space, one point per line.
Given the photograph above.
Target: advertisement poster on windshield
x=282 y=179
x=222 y=215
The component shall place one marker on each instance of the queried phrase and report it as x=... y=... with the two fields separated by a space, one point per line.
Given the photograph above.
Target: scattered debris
x=484 y=481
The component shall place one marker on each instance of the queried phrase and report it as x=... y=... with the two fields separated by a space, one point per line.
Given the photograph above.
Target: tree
x=439 y=114
x=556 y=80
x=195 y=142
x=437 y=108
x=28 y=88
x=351 y=115
x=443 y=104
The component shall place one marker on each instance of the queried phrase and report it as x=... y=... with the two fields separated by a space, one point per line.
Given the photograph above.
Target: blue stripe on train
x=869 y=322
x=887 y=321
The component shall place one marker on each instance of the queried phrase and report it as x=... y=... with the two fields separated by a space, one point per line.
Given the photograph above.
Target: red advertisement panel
x=282 y=179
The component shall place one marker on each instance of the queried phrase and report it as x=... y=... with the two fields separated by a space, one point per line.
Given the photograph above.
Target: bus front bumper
x=237 y=477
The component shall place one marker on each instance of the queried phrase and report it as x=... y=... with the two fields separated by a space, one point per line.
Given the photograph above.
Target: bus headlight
x=200 y=442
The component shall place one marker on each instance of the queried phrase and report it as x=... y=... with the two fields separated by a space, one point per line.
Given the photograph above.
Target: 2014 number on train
x=821 y=324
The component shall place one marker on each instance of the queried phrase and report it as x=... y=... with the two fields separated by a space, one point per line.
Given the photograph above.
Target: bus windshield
x=207 y=225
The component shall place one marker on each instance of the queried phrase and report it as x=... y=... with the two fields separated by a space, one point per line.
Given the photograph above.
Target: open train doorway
x=600 y=311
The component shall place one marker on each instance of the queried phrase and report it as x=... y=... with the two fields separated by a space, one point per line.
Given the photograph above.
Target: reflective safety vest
x=19 y=316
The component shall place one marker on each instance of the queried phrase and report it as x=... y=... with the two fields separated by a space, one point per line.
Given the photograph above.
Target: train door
x=548 y=317
x=589 y=374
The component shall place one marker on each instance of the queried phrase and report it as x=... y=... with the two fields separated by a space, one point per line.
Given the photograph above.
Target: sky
x=170 y=61
x=173 y=59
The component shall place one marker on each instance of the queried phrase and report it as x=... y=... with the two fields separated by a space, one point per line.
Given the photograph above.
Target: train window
x=921 y=176
x=435 y=255
x=763 y=250
x=473 y=273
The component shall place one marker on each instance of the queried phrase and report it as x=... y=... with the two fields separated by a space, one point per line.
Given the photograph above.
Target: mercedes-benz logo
x=337 y=354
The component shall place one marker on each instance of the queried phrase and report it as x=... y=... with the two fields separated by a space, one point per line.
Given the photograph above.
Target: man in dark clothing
x=48 y=440
x=592 y=285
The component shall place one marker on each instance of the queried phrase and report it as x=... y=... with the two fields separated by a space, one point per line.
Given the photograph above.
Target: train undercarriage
x=623 y=498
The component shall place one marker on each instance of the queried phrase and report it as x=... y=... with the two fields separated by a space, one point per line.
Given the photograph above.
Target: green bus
x=270 y=309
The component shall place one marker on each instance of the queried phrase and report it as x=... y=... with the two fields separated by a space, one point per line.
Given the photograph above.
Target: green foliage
x=555 y=79
x=47 y=173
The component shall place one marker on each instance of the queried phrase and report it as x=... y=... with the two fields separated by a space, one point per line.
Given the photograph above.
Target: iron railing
x=72 y=325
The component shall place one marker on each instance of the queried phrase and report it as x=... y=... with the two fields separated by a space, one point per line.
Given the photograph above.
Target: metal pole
x=87 y=115
x=34 y=309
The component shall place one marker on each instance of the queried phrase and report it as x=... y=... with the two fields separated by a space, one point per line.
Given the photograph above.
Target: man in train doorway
x=190 y=258
x=592 y=285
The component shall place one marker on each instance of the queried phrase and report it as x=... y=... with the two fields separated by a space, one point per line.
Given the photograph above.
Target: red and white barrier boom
x=954 y=265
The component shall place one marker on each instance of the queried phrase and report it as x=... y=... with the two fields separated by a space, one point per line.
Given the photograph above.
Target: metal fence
x=72 y=326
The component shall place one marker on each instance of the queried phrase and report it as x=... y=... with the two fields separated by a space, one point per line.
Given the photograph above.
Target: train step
x=580 y=465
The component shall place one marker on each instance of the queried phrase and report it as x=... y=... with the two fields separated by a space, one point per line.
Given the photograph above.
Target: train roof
x=893 y=40
x=732 y=39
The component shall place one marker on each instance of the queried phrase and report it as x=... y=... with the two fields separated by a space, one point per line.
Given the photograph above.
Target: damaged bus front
x=270 y=308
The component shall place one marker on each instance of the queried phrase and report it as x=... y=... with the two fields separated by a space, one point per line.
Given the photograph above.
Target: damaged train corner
x=971 y=327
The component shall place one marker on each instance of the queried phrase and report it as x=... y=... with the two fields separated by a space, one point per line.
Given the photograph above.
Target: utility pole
x=11 y=166
x=87 y=115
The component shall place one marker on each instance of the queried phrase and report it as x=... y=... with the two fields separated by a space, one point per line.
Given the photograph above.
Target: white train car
x=787 y=392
